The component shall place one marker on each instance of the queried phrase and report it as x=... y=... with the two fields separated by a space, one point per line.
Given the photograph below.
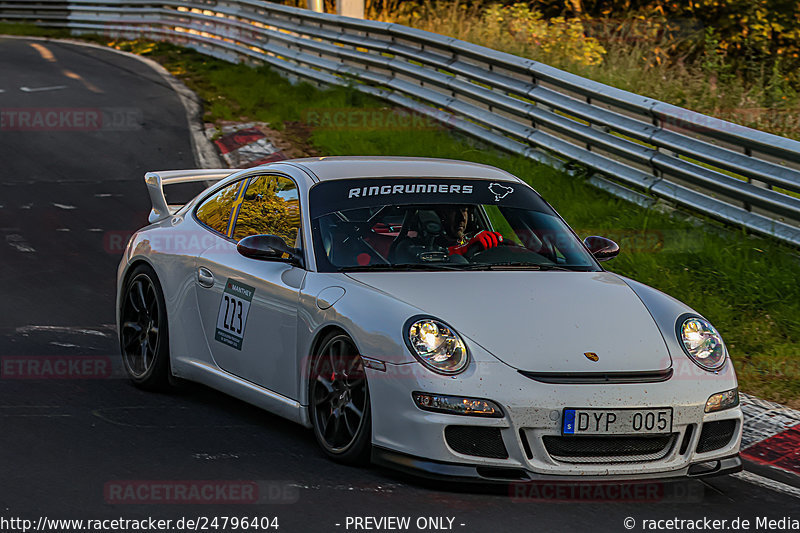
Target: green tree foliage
x=565 y=35
x=767 y=31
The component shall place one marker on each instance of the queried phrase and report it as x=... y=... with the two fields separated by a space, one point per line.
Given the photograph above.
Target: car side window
x=270 y=206
x=215 y=211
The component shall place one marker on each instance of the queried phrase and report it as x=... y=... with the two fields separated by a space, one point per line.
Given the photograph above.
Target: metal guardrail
x=632 y=143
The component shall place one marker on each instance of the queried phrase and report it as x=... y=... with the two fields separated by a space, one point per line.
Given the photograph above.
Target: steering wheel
x=477 y=249
x=505 y=251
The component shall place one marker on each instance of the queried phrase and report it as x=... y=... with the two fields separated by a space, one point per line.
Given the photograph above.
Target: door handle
x=205 y=277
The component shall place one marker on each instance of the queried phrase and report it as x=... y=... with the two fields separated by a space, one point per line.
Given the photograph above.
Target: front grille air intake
x=476 y=440
x=608 y=449
x=716 y=435
x=594 y=378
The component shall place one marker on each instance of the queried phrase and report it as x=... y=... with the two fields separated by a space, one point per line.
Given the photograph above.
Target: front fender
x=665 y=311
x=373 y=319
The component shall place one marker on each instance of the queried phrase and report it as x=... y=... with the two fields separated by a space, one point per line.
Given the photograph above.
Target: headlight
x=702 y=343
x=436 y=345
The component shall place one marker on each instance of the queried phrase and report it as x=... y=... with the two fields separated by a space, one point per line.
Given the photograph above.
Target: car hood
x=538 y=321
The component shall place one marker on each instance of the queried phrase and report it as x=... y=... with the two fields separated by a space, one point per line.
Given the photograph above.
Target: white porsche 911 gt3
x=430 y=315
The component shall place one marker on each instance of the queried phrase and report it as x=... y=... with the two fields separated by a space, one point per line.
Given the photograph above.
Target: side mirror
x=269 y=248
x=602 y=249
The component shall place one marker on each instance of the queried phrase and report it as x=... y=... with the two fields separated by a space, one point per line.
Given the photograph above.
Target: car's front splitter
x=470 y=473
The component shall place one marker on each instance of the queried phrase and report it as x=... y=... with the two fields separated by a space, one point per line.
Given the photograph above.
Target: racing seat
x=420 y=229
x=346 y=246
x=391 y=256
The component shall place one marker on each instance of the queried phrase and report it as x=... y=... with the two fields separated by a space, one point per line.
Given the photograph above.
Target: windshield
x=439 y=224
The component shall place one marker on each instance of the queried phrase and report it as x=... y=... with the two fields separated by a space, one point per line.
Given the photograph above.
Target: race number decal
x=233 y=310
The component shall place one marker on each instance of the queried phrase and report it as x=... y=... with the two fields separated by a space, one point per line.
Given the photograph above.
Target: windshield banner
x=340 y=195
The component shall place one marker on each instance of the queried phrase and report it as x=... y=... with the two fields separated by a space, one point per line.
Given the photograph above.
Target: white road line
x=64 y=344
x=378 y=487
x=767 y=483
x=65 y=206
x=40 y=89
x=215 y=456
x=64 y=329
x=19 y=243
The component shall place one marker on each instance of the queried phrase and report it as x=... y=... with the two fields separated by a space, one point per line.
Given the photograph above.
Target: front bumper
x=407 y=438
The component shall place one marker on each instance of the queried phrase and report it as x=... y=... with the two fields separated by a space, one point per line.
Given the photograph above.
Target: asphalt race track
x=73 y=446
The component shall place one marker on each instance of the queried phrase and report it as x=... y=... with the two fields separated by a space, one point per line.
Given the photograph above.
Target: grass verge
x=746 y=286
x=31 y=30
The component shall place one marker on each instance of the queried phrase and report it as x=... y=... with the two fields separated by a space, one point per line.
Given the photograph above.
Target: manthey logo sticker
x=233 y=310
x=500 y=191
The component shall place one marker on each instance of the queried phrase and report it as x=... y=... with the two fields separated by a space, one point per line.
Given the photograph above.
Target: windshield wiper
x=401 y=266
x=510 y=265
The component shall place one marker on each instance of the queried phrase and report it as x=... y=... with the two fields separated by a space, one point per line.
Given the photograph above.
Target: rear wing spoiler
x=155 y=182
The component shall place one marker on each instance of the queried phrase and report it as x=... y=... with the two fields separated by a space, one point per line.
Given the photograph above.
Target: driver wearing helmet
x=455 y=219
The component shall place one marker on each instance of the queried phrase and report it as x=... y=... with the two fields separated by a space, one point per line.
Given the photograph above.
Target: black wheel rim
x=140 y=326
x=339 y=395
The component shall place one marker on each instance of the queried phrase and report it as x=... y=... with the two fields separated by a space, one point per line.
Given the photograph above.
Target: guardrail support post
x=350 y=8
x=316 y=5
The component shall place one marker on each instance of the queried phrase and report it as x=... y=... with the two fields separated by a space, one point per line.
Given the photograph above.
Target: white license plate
x=616 y=421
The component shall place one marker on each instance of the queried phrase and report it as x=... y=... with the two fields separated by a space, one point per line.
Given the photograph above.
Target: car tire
x=339 y=403
x=143 y=332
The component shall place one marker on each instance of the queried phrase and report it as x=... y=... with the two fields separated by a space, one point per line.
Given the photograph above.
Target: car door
x=248 y=306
